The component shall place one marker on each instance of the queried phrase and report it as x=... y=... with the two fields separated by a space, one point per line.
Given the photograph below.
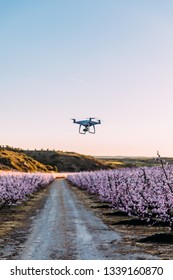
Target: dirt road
x=66 y=229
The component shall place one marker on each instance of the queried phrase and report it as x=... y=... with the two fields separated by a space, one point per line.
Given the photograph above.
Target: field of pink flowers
x=16 y=187
x=146 y=192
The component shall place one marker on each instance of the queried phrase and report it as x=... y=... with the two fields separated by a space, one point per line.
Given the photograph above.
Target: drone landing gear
x=87 y=129
x=84 y=130
x=92 y=131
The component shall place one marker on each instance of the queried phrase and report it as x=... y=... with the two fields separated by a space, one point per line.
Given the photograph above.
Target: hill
x=67 y=161
x=13 y=160
x=46 y=161
x=59 y=161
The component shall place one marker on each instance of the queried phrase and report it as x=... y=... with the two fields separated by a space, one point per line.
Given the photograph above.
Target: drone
x=88 y=124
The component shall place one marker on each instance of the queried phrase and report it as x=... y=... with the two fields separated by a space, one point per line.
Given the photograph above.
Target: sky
x=109 y=59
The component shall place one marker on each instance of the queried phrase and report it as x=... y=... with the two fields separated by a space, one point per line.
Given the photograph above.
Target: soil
x=155 y=239
x=78 y=223
x=15 y=222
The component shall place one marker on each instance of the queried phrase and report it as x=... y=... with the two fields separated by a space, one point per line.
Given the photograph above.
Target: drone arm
x=99 y=122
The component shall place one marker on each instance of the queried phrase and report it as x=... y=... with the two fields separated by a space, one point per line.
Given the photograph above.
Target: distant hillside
x=133 y=161
x=67 y=161
x=13 y=160
x=59 y=161
x=46 y=161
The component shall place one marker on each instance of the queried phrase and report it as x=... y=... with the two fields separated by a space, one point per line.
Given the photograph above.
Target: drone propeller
x=73 y=120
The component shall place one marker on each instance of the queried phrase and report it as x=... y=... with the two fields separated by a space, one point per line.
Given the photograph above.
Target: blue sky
x=110 y=59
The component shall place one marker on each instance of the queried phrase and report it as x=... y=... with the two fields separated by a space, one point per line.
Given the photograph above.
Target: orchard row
x=16 y=187
x=145 y=192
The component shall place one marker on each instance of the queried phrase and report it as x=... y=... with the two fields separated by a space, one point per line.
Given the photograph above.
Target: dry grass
x=16 y=217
